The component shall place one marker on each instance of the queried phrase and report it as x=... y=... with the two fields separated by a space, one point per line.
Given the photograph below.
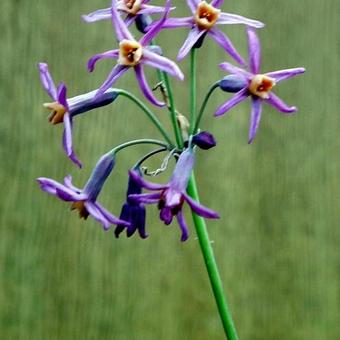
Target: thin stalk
x=149 y=113
x=205 y=102
x=139 y=141
x=210 y=263
x=193 y=89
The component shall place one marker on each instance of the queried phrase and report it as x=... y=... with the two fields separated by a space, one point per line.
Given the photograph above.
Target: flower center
x=206 y=15
x=58 y=111
x=130 y=6
x=261 y=85
x=130 y=52
x=80 y=206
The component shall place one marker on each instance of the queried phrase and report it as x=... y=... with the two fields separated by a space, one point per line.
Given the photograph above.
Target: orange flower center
x=80 y=206
x=58 y=111
x=130 y=6
x=261 y=85
x=206 y=15
x=130 y=52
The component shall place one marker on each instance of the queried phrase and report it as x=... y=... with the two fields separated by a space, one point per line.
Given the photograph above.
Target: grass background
x=277 y=243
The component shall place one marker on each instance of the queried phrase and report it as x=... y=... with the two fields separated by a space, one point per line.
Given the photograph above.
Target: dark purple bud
x=233 y=83
x=204 y=140
x=142 y=22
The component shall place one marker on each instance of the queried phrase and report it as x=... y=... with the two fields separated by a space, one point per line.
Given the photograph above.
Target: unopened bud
x=142 y=22
x=204 y=140
x=233 y=83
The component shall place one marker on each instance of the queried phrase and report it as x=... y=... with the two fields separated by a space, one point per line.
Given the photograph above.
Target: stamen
x=130 y=52
x=261 y=85
x=206 y=15
x=80 y=206
x=130 y=6
x=58 y=111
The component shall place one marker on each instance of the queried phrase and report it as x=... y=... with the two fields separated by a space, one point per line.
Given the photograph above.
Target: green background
x=277 y=242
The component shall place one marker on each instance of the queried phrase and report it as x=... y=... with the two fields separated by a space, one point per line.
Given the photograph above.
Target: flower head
x=63 y=109
x=132 y=211
x=256 y=85
x=171 y=197
x=135 y=54
x=205 y=17
x=85 y=200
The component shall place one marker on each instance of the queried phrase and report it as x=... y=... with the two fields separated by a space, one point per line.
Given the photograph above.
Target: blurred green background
x=277 y=243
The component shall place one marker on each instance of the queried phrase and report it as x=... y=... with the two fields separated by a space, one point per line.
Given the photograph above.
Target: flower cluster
x=244 y=80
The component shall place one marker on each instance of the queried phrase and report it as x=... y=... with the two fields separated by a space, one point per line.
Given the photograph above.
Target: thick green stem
x=210 y=262
x=150 y=114
x=193 y=88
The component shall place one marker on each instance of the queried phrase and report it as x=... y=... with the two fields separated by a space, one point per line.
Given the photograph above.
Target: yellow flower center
x=206 y=15
x=130 y=52
x=130 y=6
x=261 y=85
x=58 y=111
x=80 y=206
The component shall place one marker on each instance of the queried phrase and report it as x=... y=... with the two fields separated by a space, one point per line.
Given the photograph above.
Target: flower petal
x=199 y=209
x=146 y=184
x=47 y=81
x=148 y=9
x=145 y=198
x=217 y=3
x=145 y=87
x=254 y=50
x=162 y=63
x=279 y=104
x=62 y=95
x=109 y=54
x=256 y=110
x=230 y=19
x=285 y=74
x=193 y=5
x=118 y=24
x=100 y=14
x=67 y=140
x=68 y=183
x=235 y=70
x=237 y=98
x=177 y=22
x=97 y=215
x=110 y=217
x=226 y=44
x=183 y=226
x=194 y=34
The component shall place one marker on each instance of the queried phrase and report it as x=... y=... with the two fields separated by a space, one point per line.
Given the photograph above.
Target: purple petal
x=148 y=9
x=47 y=81
x=226 y=44
x=199 y=209
x=118 y=24
x=97 y=215
x=194 y=34
x=235 y=70
x=68 y=183
x=193 y=5
x=255 y=117
x=109 y=54
x=285 y=74
x=100 y=14
x=111 y=218
x=146 y=184
x=162 y=63
x=183 y=226
x=116 y=73
x=129 y=19
x=276 y=102
x=166 y=215
x=237 y=98
x=145 y=87
x=254 y=50
x=177 y=22
x=62 y=95
x=152 y=32
x=217 y=3
x=145 y=198
x=67 y=140
x=230 y=19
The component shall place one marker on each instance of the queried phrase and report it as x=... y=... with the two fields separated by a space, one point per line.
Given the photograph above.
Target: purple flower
x=134 y=9
x=132 y=211
x=64 y=109
x=257 y=85
x=135 y=54
x=85 y=200
x=170 y=197
x=203 y=20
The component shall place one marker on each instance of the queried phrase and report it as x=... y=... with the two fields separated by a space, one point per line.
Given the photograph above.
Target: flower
x=203 y=20
x=134 y=54
x=134 y=9
x=170 y=197
x=85 y=200
x=132 y=211
x=64 y=109
x=257 y=85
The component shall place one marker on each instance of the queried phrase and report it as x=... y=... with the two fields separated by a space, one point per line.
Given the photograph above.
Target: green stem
x=178 y=134
x=139 y=141
x=193 y=88
x=210 y=262
x=205 y=102
x=149 y=113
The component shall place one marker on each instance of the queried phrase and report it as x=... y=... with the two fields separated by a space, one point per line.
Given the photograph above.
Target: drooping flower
x=257 y=85
x=135 y=54
x=132 y=211
x=63 y=109
x=170 y=197
x=203 y=22
x=85 y=200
